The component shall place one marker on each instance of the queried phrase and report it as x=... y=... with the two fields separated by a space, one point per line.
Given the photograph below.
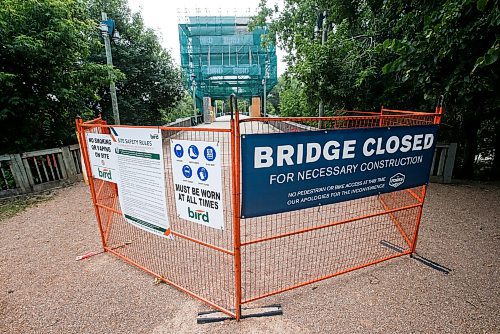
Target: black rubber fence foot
x=427 y=262
x=432 y=264
x=246 y=312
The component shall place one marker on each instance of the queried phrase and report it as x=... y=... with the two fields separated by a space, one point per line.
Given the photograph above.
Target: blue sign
x=290 y=171
x=186 y=170
x=193 y=152
x=178 y=150
x=202 y=173
x=209 y=153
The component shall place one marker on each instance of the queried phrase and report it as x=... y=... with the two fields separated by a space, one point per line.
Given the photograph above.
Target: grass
x=10 y=207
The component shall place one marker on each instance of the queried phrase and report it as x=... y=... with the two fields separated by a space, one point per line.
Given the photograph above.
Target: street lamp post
x=107 y=28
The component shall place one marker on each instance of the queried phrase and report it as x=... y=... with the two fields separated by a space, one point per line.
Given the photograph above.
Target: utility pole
x=107 y=29
x=322 y=19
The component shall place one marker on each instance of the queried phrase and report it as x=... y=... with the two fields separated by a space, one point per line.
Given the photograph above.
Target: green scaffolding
x=221 y=56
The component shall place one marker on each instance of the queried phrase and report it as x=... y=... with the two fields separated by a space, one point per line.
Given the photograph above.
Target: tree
x=448 y=49
x=183 y=108
x=273 y=100
x=293 y=98
x=152 y=82
x=403 y=54
x=45 y=78
x=53 y=68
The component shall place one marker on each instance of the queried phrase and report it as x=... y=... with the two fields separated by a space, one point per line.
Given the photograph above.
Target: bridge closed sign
x=290 y=171
x=196 y=170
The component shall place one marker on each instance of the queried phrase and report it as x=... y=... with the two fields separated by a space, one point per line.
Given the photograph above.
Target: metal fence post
x=437 y=121
x=381 y=122
x=235 y=158
x=83 y=149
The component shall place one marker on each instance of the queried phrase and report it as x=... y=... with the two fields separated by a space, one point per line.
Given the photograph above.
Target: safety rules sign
x=197 y=177
x=141 y=183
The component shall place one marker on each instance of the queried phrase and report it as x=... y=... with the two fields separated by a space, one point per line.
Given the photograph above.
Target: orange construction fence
x=253 y=258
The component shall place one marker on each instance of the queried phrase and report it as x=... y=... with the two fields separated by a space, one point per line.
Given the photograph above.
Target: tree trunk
x=470 y=129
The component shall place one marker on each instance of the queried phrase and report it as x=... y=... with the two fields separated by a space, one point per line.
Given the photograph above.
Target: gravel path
x=44 y=290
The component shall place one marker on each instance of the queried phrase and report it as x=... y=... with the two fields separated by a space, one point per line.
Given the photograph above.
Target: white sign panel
x=141 y=185
x=102 y=156
x=196 y=167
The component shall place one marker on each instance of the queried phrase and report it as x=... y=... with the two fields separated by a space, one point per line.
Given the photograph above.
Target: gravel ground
x=44 y=290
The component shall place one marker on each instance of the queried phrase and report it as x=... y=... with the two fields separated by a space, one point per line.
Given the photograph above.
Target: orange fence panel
x=253 y=258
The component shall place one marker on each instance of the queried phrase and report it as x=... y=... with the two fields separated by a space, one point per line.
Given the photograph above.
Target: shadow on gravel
x=426 y=261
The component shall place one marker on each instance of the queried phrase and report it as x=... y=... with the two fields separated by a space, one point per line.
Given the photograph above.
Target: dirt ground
x=44 y=290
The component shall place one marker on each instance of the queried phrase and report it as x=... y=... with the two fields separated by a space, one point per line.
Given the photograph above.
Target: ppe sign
x=196 y=170
x=290 y=171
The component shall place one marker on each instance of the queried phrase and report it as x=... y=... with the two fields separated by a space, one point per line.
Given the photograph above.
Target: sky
x=162 y=15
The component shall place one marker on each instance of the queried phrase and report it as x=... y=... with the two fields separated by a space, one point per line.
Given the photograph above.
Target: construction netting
x=221 y=55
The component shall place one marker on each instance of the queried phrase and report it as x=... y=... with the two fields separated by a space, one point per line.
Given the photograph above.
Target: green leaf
x=490 y=57
x=387 y=68
x=481 y=4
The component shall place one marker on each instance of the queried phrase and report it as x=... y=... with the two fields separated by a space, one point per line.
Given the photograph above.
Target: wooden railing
x=39 y=170
x=179 y=123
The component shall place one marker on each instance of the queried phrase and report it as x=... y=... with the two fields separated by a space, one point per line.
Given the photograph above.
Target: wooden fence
x=443 y=162
x=39 y=170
